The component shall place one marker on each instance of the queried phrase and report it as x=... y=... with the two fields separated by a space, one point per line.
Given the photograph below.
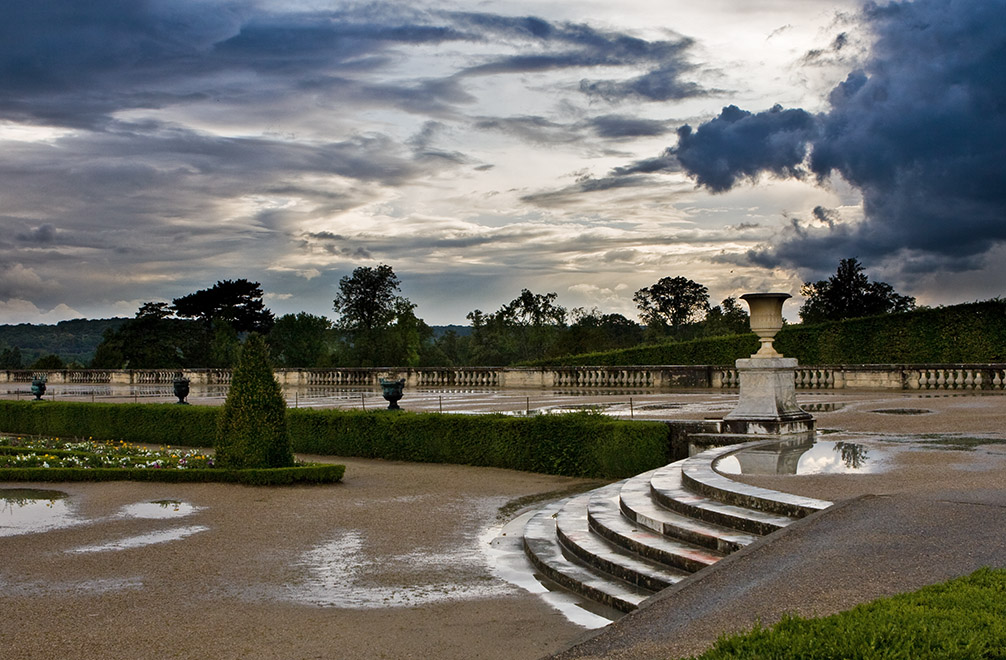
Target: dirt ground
x=389 y=564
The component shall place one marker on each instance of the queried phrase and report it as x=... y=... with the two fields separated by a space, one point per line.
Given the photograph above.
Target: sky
x=150 y=148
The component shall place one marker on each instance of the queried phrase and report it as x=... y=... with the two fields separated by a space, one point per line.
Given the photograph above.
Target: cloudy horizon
x=151 y=149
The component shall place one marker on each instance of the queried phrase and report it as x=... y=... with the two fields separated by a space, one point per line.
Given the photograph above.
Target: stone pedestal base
x=767 y=404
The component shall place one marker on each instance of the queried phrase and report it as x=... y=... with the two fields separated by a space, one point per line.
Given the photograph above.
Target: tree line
x=375 y=325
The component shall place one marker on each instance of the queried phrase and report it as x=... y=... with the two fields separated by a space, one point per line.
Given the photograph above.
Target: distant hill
x=459 y=330
x=73 y=341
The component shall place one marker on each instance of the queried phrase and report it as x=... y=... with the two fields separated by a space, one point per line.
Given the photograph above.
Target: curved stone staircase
x=623 y=542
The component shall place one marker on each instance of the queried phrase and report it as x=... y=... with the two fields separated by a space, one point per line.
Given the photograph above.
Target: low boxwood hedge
x=577 y=444
x=306 y=474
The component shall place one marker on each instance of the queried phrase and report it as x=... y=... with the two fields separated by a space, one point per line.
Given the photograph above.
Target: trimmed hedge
x=307 y=474
x=576 y=444
x=971 y=333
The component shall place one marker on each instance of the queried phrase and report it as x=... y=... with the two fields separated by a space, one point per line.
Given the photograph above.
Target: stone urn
x=766 y=320
x=38 y=387
x=181 y=386
x=392 y=391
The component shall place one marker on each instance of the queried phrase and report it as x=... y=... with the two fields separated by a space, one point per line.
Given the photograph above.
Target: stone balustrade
x=962 y=377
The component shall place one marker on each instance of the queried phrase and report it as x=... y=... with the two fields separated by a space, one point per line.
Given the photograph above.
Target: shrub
x=580 y=444
x=251 y=431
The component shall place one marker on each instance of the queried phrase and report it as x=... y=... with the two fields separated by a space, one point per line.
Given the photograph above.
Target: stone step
x=668 y=489
x=544 y=551
x=637 y=504
x=607 y=520
x=699 y=476
x=574 y=533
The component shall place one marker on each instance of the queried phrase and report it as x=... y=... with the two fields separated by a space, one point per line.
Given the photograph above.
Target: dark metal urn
x=392 y=390
x=181 y=389
x=38 y=388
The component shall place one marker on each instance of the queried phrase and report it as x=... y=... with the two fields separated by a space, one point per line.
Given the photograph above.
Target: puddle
x=29 y=510
x=346 y=573
x=806 y=458
x=142 y=540
x=158 y=510
x=902 y=411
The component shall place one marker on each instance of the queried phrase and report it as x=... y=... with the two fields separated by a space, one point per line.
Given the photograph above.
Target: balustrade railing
x=949 y=377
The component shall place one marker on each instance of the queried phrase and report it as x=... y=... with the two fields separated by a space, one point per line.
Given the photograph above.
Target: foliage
x=151 y=342
x=74 y=341
x=236 y=302
x=52 y=459
x=969 y=333
x=10 y=358
x=961 y=619
x=580 y=444
x=671 y=303
x=849 y=293
x=593 y=331
x=379 y=325
x=251 y=432
x=527 y=328
x=300 y=340
x=727 y=318
x=48 y=362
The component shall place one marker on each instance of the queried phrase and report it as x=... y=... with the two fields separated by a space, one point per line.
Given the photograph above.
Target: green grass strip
x=962 y=619
x=308 y=474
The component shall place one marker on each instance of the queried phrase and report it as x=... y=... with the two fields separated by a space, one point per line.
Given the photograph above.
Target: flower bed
x=53 y=459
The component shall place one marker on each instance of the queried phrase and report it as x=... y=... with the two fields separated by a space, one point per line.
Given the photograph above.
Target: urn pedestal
x=767 y=402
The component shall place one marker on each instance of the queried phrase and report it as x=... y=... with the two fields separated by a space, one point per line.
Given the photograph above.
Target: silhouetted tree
x=379 y=325
x=671 y=303
x=237 y=302
x=849 y=293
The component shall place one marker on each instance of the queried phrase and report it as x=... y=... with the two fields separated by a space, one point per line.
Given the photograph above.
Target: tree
x=10 y=358
x=238 y=302
x=368 y=303
x=671 y=303
x=300 y=340
x=251 y=430
x=150 y=342
x=50 y=361
x=727 y=318
x=592 y=331
x=849 y=293
x=526 y=328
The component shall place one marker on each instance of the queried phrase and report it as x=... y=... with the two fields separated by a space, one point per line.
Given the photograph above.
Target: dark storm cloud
x=920 y=130
x=739 y=145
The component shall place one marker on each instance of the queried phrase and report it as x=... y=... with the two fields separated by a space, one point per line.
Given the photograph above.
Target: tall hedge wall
x=581 y=444
x=968 y=333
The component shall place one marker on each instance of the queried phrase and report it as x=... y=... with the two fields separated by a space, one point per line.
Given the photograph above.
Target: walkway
x=938 y=514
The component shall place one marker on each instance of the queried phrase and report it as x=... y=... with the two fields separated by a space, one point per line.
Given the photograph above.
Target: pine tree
x=251 y=432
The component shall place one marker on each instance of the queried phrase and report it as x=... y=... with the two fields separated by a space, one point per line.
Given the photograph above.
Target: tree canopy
x=377 y=323
x=236 y=302
x=671 y=303
x=849 y=293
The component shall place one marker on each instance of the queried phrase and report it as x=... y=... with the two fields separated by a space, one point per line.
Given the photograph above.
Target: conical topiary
x=251 y=431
